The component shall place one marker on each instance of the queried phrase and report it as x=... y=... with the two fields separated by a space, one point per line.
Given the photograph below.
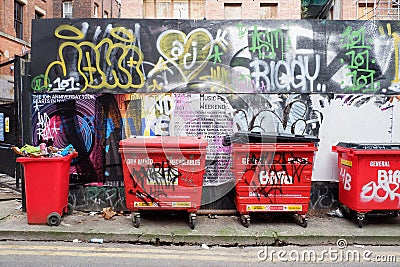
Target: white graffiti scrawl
x=387 y=187
x=46 y=129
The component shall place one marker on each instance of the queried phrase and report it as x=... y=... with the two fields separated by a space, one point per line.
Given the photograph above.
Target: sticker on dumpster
x=274 y=207
x=346 y=162
x=145 y=204
x=184 y=204
x=181 y=204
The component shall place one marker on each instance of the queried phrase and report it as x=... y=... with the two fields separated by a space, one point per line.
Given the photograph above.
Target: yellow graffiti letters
x=113 y=62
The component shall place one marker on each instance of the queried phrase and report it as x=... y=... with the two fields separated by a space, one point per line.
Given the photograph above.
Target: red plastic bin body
x=163 y=172
x=273 y=177
x=369 y=179
x=46 y=186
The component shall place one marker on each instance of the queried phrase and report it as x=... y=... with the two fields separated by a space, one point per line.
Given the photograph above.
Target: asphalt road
x=124 y=254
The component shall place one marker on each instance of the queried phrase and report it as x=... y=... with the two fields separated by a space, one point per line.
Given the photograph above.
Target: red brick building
x=212 y=9
x=15 y=25
x=86 y=8
x=15 y=35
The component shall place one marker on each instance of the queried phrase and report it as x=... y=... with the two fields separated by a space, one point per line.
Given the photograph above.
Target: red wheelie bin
x=369 y=179
x=273 y=173
x=46 y=188
x=163 y=173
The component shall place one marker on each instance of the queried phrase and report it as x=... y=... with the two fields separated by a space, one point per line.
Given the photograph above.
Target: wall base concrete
x=323 y=197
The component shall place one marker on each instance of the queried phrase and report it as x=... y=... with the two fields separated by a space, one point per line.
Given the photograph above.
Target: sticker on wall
x=7 y=124
x=2 y=127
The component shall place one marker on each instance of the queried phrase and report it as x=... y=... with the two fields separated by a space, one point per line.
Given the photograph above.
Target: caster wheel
x=301 y=220
x=192 y=220
x=245 y=219
x=360 y=219
x=54 y=219
x=136 y=220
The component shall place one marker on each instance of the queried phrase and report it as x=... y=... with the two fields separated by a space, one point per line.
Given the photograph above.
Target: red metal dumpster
x=46 y=188
x=273 y=174
x=163 y=173
x=369 y=179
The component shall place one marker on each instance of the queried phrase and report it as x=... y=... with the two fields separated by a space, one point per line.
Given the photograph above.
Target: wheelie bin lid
x=370 y=146
x=164 y=142
x=258 y=137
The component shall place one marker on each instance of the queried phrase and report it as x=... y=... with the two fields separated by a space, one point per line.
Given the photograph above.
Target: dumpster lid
x=164 y=142
x=258 y=137
x=370 y=146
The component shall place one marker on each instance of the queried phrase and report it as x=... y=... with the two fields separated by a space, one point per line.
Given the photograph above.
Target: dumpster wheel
x=136 y=219
x=192 y=220
x=360 y=219
x=245 y=219
x=54 y=219
x=301 y=220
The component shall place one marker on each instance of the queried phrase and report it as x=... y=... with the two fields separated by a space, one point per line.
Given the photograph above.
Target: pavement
x=165 y=228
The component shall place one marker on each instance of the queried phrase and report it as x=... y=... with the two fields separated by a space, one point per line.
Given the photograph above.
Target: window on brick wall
x=268 y=11
x=232 y=10
x=38 y=15
x=18 y=22
x=178 y=9
x=365 y=11
x=67 y=9
x=96 y=10
x=181 y=9
x=105 y=14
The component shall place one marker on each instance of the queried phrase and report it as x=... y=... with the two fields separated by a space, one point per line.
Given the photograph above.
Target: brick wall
x=29 y=15
x=85 y=8
x=7 y=22
x=214 y=9
x=111 y=7
x=82 y=9
x=349 y=10
x=9 y=49
x=132 y=9
x=9 y=44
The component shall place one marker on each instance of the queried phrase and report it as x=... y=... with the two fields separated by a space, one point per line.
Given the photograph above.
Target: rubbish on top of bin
x=68 y=150
x=261 y=137
x=42 y=151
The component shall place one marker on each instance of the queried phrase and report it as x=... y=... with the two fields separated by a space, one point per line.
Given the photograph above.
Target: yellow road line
x=111 y=249
x=230 y=258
